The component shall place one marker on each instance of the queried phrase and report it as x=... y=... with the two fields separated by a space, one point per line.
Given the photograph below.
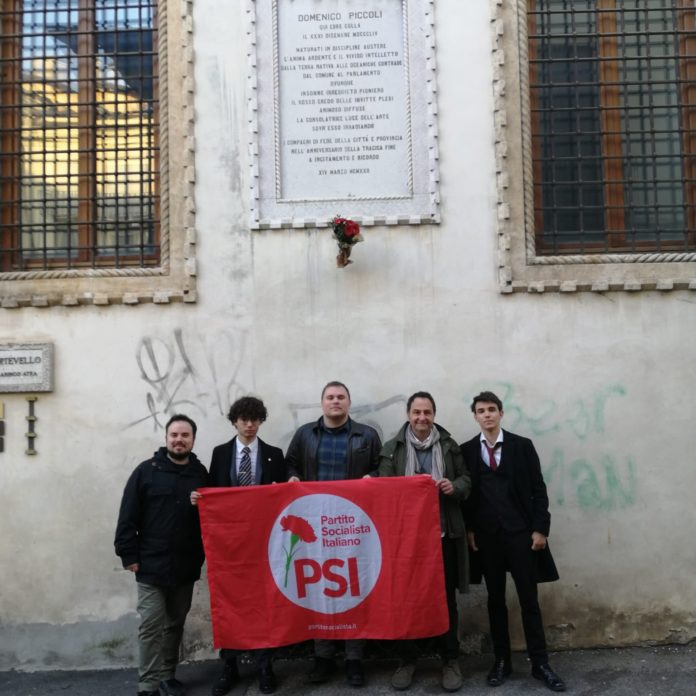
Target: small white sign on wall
x=26 y=367
x=342 y=111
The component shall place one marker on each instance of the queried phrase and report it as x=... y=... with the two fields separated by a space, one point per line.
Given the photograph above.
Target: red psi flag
x=341 y=559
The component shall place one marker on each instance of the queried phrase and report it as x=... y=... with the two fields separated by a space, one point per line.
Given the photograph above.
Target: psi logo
x=325 y=554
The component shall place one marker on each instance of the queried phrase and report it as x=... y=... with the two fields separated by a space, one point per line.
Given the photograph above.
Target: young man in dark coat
x=158 y=537
x=246 y=460
x=508 y=520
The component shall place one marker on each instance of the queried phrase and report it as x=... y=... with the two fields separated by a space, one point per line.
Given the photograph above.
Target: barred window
x=79 y=142
x=612 y=87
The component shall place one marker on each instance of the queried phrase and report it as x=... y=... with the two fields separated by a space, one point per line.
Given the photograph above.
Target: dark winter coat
x=521 y=469
x=157 y=525
x=363 y=450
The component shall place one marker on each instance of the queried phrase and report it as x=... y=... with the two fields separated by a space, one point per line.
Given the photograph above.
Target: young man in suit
x=245 y=460
x=508 y=520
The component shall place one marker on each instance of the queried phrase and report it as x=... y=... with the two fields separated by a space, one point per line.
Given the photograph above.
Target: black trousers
x=448 y=642
x=263 y=656
x=502 y=551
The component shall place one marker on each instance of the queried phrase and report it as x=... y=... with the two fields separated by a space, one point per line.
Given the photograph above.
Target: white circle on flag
x=324 y=553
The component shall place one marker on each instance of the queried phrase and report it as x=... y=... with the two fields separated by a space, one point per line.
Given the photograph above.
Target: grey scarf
x=413 y=443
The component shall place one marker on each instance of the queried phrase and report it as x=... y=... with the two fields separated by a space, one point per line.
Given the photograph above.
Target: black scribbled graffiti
x=364 y=413
x=198 y=385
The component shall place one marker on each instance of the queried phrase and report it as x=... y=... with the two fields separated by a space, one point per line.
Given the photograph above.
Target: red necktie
x=491 y=455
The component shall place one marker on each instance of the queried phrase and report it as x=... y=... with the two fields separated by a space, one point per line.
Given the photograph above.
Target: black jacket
x=362 y=456
x=521 y=469
x=157 y=525
x=270 y=458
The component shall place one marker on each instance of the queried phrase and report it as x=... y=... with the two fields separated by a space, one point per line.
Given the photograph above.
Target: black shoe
x=171 y=687
x=500 y=671
x=149 y=693
x=267 y=680
x=549 y=677
x=323 y=668
x=355 y=675
x=227 y=679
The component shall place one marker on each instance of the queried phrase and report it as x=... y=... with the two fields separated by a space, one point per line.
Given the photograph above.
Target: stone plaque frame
x=520 y=268
x=418 y=202
x=32 y=362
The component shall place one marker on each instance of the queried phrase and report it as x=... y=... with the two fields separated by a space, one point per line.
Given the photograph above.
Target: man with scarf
x=423 y=447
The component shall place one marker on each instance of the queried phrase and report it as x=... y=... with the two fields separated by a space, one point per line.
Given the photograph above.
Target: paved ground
x=659 y=671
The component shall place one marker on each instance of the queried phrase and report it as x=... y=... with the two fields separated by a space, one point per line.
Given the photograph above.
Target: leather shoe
x=355 y=676
x=171 y=687
x=500 y=671
x=323 y=668
x=549 y=677
x=227 y=679
x=403 y=677
x=267 y=680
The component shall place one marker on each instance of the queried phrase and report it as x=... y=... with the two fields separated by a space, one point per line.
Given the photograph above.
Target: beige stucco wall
x=602 y=382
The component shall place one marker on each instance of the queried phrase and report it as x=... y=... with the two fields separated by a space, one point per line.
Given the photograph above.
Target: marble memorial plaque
x=26 y=367
x=343 y=103
x=344 y=112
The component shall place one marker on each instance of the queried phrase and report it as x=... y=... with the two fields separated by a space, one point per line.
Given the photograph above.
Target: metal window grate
x=79 y=140
x=613 y=114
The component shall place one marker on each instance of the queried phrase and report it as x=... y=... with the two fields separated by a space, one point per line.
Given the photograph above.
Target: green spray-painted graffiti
x=609 y=482
x=596 y=487
x=583 y=416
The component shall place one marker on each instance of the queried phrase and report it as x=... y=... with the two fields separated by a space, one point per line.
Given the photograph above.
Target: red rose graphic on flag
x=300 y=530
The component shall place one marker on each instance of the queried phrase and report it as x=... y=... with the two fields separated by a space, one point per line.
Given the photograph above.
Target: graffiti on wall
x=375 y=414
x=203 y=377
x=177 y=381
x=605 y=481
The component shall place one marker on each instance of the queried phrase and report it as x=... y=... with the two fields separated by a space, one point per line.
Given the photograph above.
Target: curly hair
x=248 y=408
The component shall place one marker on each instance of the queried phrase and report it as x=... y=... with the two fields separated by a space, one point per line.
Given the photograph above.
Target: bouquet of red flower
x=347 y=233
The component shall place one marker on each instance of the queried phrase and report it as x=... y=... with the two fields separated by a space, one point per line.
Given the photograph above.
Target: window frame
x=521 y=267
x=174 y=277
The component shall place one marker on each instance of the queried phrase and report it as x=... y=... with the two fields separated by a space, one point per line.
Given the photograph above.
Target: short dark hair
x=334 y=383
x=420 y=395
x=487 y=397
x=248 y=408
x=181 y=417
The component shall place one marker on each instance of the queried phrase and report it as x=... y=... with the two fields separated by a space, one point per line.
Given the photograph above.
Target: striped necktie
x=244 y=475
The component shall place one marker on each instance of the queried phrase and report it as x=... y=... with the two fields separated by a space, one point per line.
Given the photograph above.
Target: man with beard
x=158 y=538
